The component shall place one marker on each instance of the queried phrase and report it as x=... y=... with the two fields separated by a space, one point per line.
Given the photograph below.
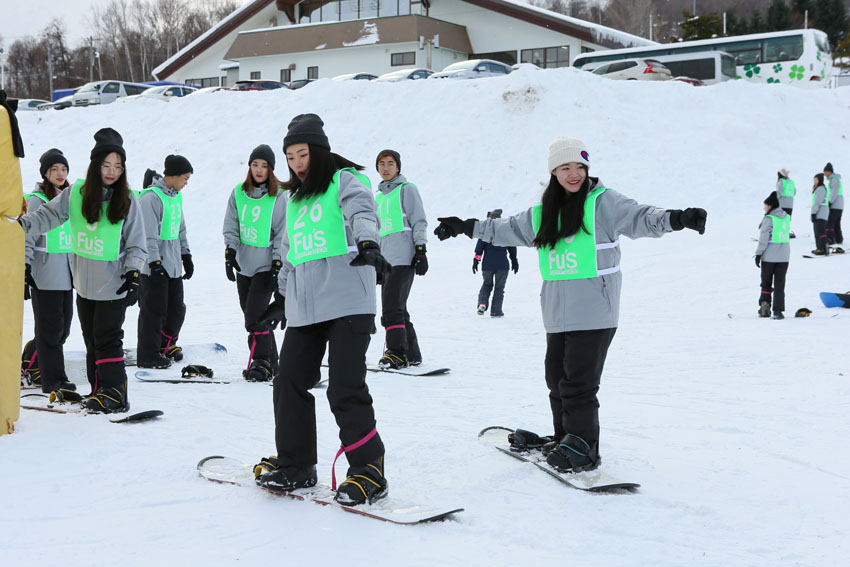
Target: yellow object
x=11 y=279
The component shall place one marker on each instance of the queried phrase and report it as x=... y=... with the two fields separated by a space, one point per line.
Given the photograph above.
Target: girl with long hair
x=820 y=214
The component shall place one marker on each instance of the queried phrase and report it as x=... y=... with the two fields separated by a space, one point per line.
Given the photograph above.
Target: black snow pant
x=52 y=313
x=773 y=280
x=161 y=315
x=820 y=235
x=400 y=334
x=574 y=363
x=833 y=227
x=347 y=339
x=102 y=325
x=255 y=294
x=494 y=280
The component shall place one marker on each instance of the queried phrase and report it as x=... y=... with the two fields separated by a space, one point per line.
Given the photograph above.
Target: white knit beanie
x=565 y=150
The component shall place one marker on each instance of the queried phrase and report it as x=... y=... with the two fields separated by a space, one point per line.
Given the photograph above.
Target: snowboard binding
x=195 y=371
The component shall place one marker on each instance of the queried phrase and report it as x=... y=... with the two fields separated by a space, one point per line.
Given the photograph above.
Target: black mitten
x=758 y=261
x=157 y=269
x=420 y=261
x=230 y=263
x=370 y=253
x=692 y=218
x=131 y=286
x=275 y=313
x=188 y=266
x=450 y=227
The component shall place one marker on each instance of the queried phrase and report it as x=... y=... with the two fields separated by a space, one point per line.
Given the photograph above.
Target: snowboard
x=226 y=470
x=40 y=403
x=201 y=351
x=835 y=299
x=408 y=371
x=589 y=481
x=169 y=376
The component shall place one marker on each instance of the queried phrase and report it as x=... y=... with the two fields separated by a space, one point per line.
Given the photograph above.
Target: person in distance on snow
x=820 y=215
x=786 y=190
x=494 y=270
x=108 y=242
x=772 y=256
x=576 y=229
x=161 y=307
x=48 y=276
x=836 y=205
x=253 y=227
x=403 y=238
x=327 y=293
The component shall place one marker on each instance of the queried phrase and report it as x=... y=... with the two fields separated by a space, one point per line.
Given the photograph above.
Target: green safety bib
x=172 y=213
x=389 y=211
x=815 y=192
x=781 y=229
x=59 y=238
x=315 y=225
x=98 y=241
x=788 y=188
x=255 y=218
x=574 y=257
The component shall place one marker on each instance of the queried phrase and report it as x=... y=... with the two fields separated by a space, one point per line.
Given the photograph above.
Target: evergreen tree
x=706 y=26
x=779 y=16
x=757 y=25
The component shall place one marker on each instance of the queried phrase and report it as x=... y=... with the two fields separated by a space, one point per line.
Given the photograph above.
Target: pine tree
x=779 y=16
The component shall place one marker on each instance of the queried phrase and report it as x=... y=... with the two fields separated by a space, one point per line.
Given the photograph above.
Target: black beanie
x=49 y=158
x=306 y=129
x=392 y=153
x=177 y=165
x=828 y=167
x=772 y=200
x=262 y=151
x=106 y=141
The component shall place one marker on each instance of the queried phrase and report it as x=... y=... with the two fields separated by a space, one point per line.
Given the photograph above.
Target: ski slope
x=736 y=428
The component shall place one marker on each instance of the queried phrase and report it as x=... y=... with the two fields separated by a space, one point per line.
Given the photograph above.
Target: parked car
x=689 y=80
x=473 y=69
x=58 y=104
x=413 y=74
x=166 y=92
x=30 y=103
x=355 y=77
x=299 y=83
x=634 y=70
x=258 y=85
x=210 y=90
x=104 y=92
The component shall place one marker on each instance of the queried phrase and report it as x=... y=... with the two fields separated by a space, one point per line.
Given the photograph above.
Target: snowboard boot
x=778 y=315
x=414 y=361
x=62 y=395
x=363 y=484
x=522 y=441
x=174 y=352
x=792 y=235
x=288 y=478
x=819 y=252
x=574 y=454
x=30 y=374
x=160 y=362
x=259 y=371
x=764 y=309
x=63 y=385
x=394 y=360
x=108 y=400
x=482 y=308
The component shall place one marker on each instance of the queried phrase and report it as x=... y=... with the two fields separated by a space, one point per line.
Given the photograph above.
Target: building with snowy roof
x=296 y=39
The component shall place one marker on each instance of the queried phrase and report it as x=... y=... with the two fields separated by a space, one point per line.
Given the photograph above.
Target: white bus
x=790 y=57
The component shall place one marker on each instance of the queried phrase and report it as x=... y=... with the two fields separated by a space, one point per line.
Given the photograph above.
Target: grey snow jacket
x=329 y=288
x=820 y=208
x=51 y=272
x=772 y=251
x=398 y=247
x=836 y=201
x=584 y=304
x=784 y=202
x=251 y=259
x=168 y=252
x=97 y=280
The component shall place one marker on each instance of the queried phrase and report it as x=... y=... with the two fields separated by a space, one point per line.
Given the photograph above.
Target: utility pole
x=91 y=59
x=2 y=70
x=650 y=27
x=50 y=70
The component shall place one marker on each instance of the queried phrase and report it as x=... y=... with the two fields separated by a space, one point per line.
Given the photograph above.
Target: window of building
x=368 y=8
x=547 y=57
x=506 y=57
x=255 y=75
x=207 y=82
x=387 y=8
x=401 y=59
x=312 y=72
x=223 y=82
x=285 y=75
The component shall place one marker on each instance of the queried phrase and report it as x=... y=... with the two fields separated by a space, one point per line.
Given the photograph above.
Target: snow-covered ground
x=736 y=428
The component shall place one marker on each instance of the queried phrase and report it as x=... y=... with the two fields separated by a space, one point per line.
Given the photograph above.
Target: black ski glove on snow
x=691 y=218
x=420 y=261
x=188 y=266
x=230 y=263
x=515 y=265
x=450 y=227
x=157 y=269
x=369 y=252
x=131 y=286
x=275 y=313
x=475 y=265
x=758 y=261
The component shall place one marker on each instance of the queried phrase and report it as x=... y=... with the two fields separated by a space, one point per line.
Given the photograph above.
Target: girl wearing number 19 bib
x=253 y=226
x=327 y=283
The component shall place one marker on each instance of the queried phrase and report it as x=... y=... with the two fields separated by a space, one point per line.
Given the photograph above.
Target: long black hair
x=271 y=182
x=119 y=204
x=48 y=189
x=819 y=178
x=562 y=213
x=323 y=165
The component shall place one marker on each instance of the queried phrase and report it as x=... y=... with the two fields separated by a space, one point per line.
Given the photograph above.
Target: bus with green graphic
x=797 y=57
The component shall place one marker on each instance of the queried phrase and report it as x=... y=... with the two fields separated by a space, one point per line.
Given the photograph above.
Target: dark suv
x=258 y=85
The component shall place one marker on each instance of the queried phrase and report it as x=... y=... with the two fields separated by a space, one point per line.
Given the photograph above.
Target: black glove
x=27 y=279
x=475 y=264
x=814 y=218
x=691 y=218
x=276 y=266
x=275 y=313
x=157 y=269
x=515 y=265
x=450 y=227
x=420 y=261
x=131 y=286
x=758 y=261
x=188 y=266
x=230 y=263
x=369 y=252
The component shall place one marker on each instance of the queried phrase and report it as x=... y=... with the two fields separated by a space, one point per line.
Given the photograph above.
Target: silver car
x=634 y=70
x=473 y=69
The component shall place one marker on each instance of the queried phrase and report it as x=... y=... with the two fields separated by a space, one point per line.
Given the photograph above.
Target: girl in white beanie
x=575 y=229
